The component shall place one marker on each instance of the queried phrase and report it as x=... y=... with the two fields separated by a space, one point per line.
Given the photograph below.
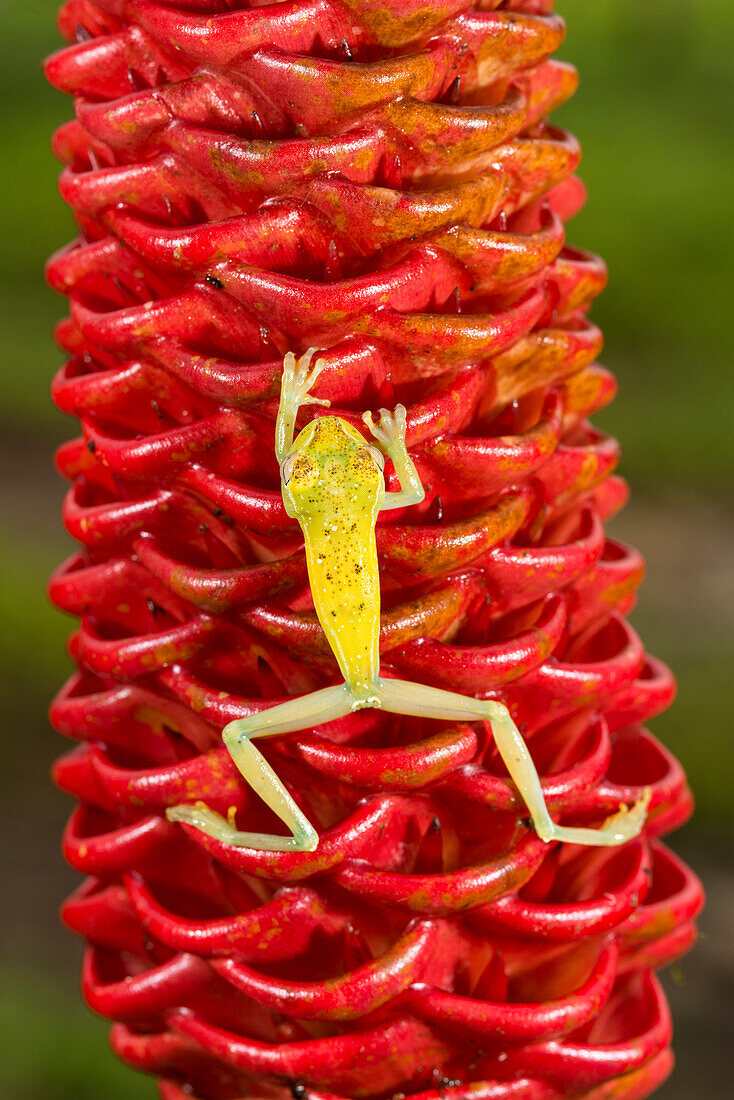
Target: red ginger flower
x=377 y=178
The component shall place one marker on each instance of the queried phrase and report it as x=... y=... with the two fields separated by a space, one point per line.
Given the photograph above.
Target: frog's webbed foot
x=223 y=829
x=626 y=824
x=299 y=377
x=389 y=434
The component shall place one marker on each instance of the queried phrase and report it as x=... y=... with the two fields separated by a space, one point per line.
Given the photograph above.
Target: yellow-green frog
x=333 y=484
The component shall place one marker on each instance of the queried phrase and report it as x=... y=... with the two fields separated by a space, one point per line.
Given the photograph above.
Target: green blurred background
x=657 y=80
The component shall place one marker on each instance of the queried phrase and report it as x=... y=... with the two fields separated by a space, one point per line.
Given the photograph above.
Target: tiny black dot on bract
x=298 y=1090
x=214 y=281
x=202 y=528
x=435 y=825
x=91 y=446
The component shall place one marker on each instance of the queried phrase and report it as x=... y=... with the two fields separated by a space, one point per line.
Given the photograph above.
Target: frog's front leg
x=422 y=701
x=298 y=713
x=390 y=437
x=298 y=379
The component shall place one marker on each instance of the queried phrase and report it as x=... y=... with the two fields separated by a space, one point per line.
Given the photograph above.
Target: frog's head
x=330 y=468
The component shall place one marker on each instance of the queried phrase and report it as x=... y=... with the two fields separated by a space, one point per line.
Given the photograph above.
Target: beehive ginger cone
x=377 y=179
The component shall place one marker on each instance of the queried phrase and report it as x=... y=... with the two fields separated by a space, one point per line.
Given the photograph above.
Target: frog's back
x=337 y=488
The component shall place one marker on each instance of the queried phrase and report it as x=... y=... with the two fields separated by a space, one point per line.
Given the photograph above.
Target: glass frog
x=333 y=483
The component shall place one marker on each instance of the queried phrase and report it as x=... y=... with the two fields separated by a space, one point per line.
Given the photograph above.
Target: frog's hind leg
x=403 y=697
x=296 y=714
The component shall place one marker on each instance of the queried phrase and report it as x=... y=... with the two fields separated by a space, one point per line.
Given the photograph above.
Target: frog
x=333 y=484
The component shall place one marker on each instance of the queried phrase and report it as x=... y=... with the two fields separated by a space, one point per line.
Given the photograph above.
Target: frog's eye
x=378 y=457
x=286 y=468
x=299 y=469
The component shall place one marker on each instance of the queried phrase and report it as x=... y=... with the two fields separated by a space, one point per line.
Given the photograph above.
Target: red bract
x=377 y=178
